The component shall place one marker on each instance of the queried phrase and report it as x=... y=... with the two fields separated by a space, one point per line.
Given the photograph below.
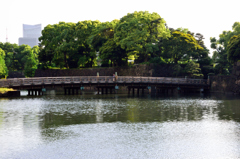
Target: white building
x=31 y=33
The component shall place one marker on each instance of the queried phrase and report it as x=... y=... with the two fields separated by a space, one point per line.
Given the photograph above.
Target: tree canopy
x=15 y=57
x=140 y=36
x=233 y=49
x=220 y=46
x=139 y=33
x=180 y=46
x=3 y=67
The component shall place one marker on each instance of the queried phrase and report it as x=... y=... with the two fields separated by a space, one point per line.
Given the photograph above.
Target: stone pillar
x=153 y=90
x=102 y=90
x=73 y=91
x=110 y=90
x=69 y=91
x=77 y=91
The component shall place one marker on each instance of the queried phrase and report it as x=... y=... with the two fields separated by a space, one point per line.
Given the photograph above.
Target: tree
x=103 y=42
x=139 y=33
x=87 y=53
x=64 y=46
x=192 y=69
x=48 y=45
x=15 y=57
x=233 y=49
x=30 y=64
x=180 y=46
x=10 y=58
x=3 y=67
x=220 y=57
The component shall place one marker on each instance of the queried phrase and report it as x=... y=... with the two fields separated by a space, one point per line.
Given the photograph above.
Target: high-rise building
x=31 y=33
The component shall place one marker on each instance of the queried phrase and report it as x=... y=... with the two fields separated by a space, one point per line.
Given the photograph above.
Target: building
x=31 y=33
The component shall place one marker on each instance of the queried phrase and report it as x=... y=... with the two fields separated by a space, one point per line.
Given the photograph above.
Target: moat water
x=120 y=126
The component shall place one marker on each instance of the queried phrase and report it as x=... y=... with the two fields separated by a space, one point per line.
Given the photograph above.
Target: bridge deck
x=42 y=81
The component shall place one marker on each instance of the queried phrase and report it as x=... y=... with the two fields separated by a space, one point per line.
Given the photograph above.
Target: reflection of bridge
x=73 y=84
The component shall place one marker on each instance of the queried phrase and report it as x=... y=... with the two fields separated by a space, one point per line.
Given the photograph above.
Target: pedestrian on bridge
x=113 y=77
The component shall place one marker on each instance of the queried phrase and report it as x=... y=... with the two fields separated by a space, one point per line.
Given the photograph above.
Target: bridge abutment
x=106 y=88
x=132 y=88
x=35 y=92
x=71 y=90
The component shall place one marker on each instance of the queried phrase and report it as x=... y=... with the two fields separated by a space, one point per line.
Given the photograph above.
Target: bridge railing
x=97 y=79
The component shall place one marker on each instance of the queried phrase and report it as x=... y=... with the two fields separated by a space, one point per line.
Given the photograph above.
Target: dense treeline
x=18 y=58
x=141 y=37
x=226 y=50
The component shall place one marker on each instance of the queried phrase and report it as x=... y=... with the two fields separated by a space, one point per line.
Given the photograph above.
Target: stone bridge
x=72 y=84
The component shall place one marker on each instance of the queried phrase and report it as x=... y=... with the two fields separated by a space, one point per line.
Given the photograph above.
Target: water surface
x=119 y=126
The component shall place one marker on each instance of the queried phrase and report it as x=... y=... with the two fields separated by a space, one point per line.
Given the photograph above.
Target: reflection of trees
x=99 y=113
x=229 y=110
x=142 y=110
x=133 y=113
x=131 y=110
x=59 y=119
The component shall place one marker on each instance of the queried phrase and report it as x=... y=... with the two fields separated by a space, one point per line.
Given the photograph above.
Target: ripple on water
x=56 y=127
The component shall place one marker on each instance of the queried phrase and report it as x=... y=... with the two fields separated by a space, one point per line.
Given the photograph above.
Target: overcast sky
x=208 y=17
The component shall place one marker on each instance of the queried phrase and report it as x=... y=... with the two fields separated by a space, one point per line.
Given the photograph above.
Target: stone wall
x=225 y=84
x=16 y=74
x=136 y=70
x=236 y=69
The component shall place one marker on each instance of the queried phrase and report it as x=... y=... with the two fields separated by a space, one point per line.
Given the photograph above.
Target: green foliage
x=192 y=69
x=66 y=45
x=220 y=46
x=55 y=44
x=16 y=56
x=233 y=49
x=157 y=60
x=139 y=33
x=177 y=70
x=84 y=30
x=103 y=42
x=47 y=45
x=180 y=46
x=3 y=67
x=30 y=65
x=141 y=36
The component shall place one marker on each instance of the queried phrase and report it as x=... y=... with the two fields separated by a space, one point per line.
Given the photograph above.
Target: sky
x=208 y=17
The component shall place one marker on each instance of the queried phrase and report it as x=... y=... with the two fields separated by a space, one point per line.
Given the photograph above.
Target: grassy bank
x=4 y=90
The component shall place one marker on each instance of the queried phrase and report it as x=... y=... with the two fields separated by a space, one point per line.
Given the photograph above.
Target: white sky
x=208 y=17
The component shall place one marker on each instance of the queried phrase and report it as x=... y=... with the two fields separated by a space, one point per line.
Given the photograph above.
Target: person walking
x=113 y=77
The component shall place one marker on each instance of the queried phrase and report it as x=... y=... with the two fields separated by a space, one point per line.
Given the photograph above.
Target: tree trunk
x=65 y=60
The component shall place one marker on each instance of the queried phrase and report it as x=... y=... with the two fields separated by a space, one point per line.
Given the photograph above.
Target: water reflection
x=19 y=124
x=63 y=112
x=113 y=126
